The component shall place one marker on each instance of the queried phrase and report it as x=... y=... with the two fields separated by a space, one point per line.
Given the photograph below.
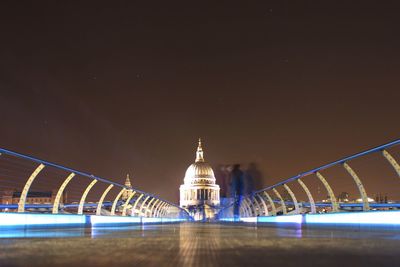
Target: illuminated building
x=128 y=184
x=200 y=194
x=47 y=197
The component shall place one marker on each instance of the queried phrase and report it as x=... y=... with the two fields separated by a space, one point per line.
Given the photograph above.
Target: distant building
x=200 y=194
x=128 y=184
x=45 y=197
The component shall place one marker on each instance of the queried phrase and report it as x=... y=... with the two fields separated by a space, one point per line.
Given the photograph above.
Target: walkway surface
x=192 y=244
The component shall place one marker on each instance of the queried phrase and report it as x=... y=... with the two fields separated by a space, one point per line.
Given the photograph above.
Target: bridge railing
x=32 y=185
x=282 y=199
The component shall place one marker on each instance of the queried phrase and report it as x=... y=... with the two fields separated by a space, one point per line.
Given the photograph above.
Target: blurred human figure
x=253 y=178
x=237 y=188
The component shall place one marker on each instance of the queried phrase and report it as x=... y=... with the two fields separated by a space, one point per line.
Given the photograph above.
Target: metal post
x=83 y=198
x=360 y=186
x=335 y=205
x=60 y=191
x=24 y=193
x=310 y=198
x=100 y=204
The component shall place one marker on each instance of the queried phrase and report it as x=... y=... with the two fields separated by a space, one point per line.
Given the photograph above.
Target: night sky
x=129 y=87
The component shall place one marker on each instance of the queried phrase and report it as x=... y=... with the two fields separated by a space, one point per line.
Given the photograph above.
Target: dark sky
x=128 y=87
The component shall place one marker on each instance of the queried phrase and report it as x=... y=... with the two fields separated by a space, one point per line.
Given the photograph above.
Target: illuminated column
x=141 y=206
x=60 y=191
x=264 y=205
x=310 y=198
x=135 y=204
x=271 y=201
x=152 y=207
x=125 y=206
x=392 y=161
x=360 y=186
x=335 y=206
x=100 y=204
x=147 y=207
x=24 y=193
x=283 y=205
x=296 y=205
x=114 y=205
x=84 y=195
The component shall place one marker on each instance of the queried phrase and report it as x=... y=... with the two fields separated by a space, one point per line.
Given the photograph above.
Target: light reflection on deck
x=197 y=244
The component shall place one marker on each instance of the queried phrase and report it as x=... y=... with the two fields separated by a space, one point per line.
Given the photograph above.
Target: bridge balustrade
x=32 y=185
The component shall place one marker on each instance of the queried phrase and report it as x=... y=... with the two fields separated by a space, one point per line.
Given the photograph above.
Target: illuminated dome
x=199 y=188
x=199 y=172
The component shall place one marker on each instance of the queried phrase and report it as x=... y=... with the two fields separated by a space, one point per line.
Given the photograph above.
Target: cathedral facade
x=199 y=194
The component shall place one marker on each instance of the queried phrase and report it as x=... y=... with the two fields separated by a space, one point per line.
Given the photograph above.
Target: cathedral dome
x=199 y=172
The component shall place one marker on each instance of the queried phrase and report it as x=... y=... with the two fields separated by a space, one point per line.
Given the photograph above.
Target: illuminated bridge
x=345 y=212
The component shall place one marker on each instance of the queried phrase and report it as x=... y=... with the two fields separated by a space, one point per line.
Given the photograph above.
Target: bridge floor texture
x=195 y=244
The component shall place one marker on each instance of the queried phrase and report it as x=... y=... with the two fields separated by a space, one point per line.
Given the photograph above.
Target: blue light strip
x=25 y=219
x=8 y=219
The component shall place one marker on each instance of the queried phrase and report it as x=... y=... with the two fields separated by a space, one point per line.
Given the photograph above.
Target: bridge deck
x=192 y=244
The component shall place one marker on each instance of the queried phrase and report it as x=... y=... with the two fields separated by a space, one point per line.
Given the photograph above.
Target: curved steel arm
x=359 y=184
x=310 y=197
x=84 y=195
x=141 y=205
x=157 y=208
x=152 y=207
x=24 y=193
x=56 y=203
x=135 y=204
x=160 y=208
x=283 y=205
x=271 y=202
x=247 y=208
x=392 y=161
x=125 y=206
x=335 y=205
x=100 y=204
x=147 y=207
x=114 y=205
x=264 y=204
x=258 y=206
x=296 y=205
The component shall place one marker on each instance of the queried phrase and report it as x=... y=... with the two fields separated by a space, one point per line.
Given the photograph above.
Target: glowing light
x=249 y=219
x=372 y=217
x=281 y=219
x=15 y=219
x=96 y=219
